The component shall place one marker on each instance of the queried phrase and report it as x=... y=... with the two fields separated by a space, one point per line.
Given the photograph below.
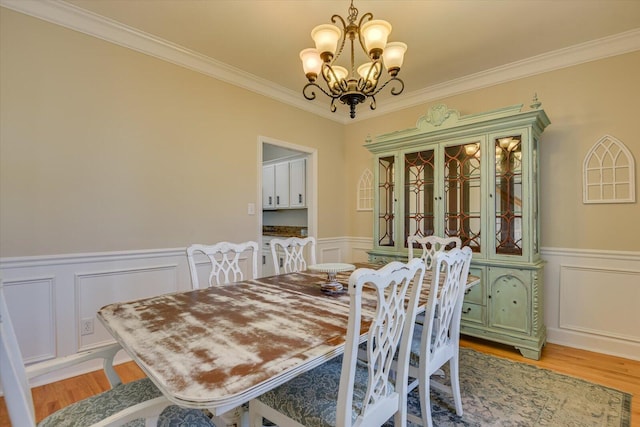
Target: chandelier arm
x=362 y=21
x=337 y=88
x=312 y=95
x=334 y=19
x=373 y=104
x=368 y=85
x=394 y=91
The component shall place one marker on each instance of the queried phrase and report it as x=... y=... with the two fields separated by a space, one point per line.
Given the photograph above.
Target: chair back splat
x=293 y=254
x=432 y=246
x=224 y=259
x=367 y=395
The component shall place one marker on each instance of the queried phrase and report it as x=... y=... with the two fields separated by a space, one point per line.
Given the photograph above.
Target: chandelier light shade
x=352 y=86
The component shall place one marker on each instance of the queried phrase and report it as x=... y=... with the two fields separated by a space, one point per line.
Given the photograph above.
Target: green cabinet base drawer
x=473 y=313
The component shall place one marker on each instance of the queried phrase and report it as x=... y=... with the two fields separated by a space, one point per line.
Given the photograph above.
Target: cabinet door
x=384 y=209
x=509 y=301
x=282 y=185
x=268 y=187
x=297 y=183
x=419 y=194
x=267 y=263
x=509 y=196
x=462 y=198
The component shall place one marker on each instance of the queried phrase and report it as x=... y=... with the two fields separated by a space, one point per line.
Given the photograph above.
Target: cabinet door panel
x=509 y=302
x=473 y=313
x=419 y=194
x=268 y=187
x=297 y=183
x=462 y=193
x=508 y=197
x=385 y=208
x=282 y=185
x=475 y=294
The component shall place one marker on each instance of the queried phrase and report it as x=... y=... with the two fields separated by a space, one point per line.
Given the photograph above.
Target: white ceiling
x=448 y=40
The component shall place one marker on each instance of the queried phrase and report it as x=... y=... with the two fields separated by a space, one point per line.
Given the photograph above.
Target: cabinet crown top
x=441 y=120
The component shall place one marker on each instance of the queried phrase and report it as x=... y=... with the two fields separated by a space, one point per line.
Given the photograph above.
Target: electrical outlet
x=86 y=326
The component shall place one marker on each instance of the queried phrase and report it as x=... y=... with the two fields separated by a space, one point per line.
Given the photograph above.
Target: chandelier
x=345 y=85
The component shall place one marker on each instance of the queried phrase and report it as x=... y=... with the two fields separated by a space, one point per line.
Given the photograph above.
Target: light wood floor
x=614 y=372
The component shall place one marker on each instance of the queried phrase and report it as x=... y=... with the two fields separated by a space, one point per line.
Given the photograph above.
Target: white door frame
x=312 y=183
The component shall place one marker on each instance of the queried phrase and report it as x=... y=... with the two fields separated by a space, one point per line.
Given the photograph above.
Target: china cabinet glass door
x=419 y=194
x=386 y=201
x=463 y=193
x=508 y=195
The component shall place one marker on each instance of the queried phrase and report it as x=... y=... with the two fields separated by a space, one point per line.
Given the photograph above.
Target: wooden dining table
x=219 y=347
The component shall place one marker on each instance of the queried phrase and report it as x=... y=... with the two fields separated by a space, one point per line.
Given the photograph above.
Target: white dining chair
x=123 y=404
x=224 y=260
x=438 y=341
x=431 y=246
x=293 y=251
x=344 y=391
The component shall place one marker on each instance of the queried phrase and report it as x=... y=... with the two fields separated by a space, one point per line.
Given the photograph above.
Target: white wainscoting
x=50 y=296
x=592 y=300
x=591 y=297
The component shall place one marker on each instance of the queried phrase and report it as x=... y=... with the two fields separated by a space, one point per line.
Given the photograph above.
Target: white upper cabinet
x=297 y=183
x=268 y=187
x=284 y=185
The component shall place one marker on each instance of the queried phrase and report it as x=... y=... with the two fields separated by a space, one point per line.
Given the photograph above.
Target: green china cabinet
x=475 y=177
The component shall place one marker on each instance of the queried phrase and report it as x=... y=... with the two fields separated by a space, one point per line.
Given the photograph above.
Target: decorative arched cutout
x=365 y=191
x=609 y=173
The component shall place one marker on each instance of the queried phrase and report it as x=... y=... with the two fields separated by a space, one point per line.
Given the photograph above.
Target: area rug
x=499 y=392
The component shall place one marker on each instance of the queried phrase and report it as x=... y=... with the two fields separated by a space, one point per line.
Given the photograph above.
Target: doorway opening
x=287 y=185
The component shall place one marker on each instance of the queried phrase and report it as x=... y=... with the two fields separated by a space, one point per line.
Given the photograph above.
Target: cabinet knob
x=299 y=198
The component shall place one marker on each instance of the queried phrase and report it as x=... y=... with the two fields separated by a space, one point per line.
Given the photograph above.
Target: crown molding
x=72 y=17
x=617 y=44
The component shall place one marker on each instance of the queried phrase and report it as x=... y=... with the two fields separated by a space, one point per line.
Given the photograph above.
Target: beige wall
x=105 y=149
x=584 y=103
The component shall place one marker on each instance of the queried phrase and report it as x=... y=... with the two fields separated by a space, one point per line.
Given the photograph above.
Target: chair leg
x=455 y=384
x=255 y=418
x=425 y=398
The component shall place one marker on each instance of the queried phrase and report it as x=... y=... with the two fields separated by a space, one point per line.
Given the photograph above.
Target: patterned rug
x=499 y=392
